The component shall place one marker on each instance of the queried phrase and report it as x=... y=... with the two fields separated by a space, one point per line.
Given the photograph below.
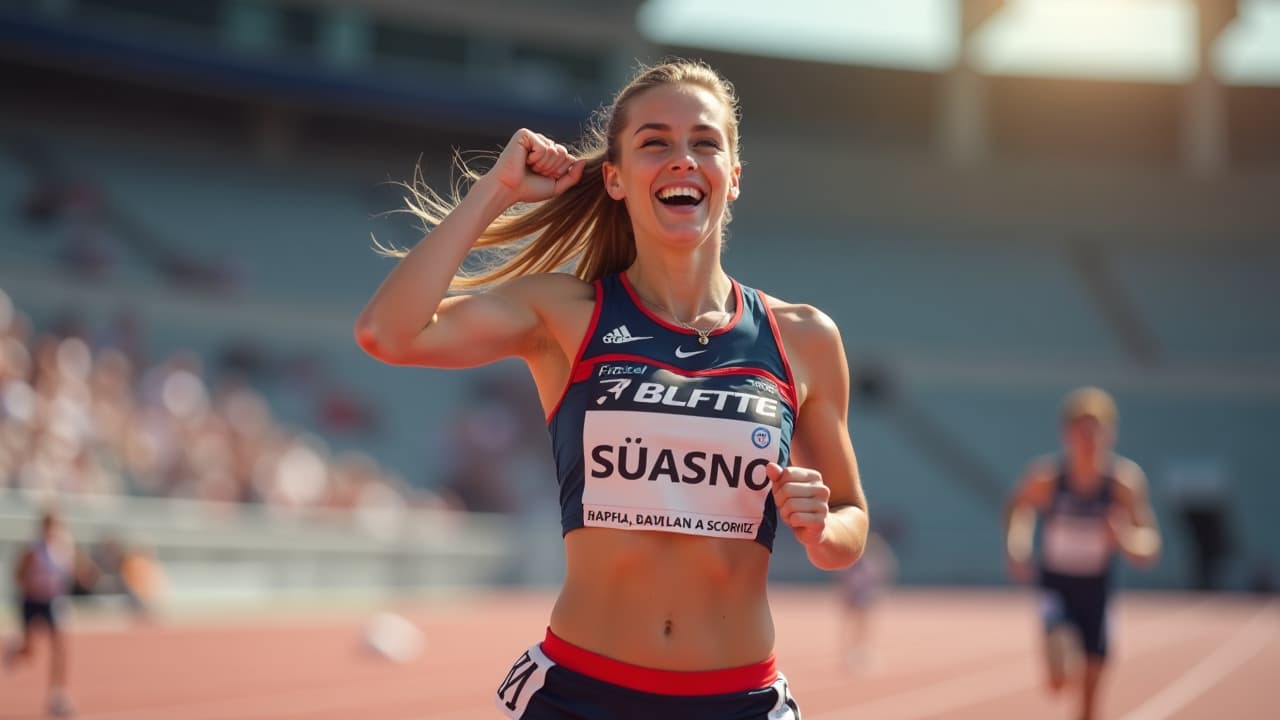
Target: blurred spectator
x=130 y=572
x=245 y=357
x=89 y=251
x=125 y=334
x=89 y=421
x=340 y=409
x=201 y=275
x=1262 y=576
x=335 y=406
x=143 y=580
x=1199 y=491
x=95 y=231
x=46 y=570
x=862 y=585
x=44 y=202
x=77 y=210
x=497 y=423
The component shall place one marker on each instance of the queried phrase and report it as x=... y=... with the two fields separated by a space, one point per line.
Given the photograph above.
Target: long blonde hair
x=582 y=224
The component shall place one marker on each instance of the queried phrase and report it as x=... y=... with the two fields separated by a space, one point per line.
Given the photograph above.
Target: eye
x=653 y=142
x=708 y=143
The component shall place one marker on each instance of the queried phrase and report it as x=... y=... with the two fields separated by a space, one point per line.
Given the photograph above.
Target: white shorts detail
x=786 y=708
x=526 y=677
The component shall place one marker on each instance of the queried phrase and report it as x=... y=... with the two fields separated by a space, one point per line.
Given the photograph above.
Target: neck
x=1086 y=467
x=690 y=287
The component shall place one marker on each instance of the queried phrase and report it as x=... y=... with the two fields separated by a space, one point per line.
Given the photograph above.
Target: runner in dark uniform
x=45 y=571
x=1092 y=504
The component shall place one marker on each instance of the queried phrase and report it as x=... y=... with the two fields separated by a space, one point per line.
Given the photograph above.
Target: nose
x=684 y=163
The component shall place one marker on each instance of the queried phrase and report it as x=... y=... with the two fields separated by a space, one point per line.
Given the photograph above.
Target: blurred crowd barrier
x=213 y=555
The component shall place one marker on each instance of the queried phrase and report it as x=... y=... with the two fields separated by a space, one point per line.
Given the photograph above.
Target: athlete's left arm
x=1136 y=532
x=86 y=571
x=819 y=495
x=22 y=571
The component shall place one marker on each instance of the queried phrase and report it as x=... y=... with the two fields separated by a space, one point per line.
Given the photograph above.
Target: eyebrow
x=663 y=127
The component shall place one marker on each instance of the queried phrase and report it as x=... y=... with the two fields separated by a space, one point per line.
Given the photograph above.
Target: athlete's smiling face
x=676 y=168
x=50 y=528
x=1087 y=438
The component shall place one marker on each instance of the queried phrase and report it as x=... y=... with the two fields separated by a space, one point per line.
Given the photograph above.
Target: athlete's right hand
x=533 y=168
x=1020 y=571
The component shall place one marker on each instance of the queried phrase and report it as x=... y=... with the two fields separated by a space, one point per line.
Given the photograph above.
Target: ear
x=612 y=180
x=735 y=179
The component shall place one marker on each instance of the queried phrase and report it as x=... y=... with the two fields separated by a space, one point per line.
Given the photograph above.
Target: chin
x=689 y=238
x=690 y=234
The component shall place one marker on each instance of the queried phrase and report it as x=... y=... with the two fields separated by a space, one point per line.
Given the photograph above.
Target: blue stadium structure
x=220 y=169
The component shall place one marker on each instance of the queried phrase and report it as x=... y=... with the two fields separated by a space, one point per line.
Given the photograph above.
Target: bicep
x=1034 y=489
x=474 y=329
x=1134 y=498
x=822 y=439
x=20 y=570
x=821 y=442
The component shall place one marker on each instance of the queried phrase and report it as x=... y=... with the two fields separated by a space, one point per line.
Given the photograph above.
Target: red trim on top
x=662 y=682
x=583 y=371
x=635 y=300
x=782 y=350
x=582 y=348
x=789 y=393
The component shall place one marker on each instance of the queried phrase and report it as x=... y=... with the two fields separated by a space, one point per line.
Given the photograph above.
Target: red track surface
x=939 y=654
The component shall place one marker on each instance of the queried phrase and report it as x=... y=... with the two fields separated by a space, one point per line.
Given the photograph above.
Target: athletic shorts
x=555 y=680
x=39 y=611
x=1079 y=602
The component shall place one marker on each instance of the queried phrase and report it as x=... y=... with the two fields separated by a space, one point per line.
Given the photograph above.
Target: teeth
x=671 y=192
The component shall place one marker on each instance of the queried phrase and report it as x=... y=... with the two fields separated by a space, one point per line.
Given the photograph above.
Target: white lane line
x=1238 y=649
x=927 y=701
x=940 y=698
x=936 y=699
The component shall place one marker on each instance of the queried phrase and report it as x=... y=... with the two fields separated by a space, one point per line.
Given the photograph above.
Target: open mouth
x=680 y=196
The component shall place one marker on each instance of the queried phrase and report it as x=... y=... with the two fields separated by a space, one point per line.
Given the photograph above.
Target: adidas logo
x=621 y=334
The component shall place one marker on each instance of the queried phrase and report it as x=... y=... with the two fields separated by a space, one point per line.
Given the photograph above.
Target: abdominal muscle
x=664 y=600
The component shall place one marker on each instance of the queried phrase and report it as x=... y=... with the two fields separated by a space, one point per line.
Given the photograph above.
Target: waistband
x=661 y=682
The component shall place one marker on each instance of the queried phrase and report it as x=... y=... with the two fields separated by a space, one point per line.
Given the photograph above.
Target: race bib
x=1076 y=545
x=693 y=464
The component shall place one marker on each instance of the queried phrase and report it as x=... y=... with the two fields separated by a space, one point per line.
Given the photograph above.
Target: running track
x=956 y=654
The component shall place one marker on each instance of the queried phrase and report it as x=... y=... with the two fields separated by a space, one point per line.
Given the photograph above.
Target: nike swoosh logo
x=680 y=353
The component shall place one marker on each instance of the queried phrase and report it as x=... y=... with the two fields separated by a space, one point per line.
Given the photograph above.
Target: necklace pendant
x=702 y=340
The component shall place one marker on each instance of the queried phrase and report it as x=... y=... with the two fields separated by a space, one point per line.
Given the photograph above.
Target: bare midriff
x=665 y=600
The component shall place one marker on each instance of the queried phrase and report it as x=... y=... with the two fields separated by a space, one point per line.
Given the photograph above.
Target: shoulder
x=1043 y=468
x=1130 y=480
x=542 y=288
x=554 y=298
x=1039 y=477
x=804 y=328
x=813 y=349
x=563 y=305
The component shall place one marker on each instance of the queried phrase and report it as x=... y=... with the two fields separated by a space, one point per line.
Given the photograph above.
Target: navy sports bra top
x=1075 y=539
x=656 y=431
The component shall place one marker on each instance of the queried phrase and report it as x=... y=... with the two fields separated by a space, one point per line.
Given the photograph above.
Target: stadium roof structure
x=1129 y=40
x=1152 y=83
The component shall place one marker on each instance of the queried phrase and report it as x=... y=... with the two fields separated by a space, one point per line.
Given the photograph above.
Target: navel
x=666 y=629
